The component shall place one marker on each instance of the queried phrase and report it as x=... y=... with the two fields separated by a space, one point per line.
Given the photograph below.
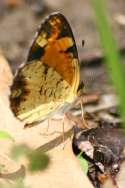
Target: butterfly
x=48 y=82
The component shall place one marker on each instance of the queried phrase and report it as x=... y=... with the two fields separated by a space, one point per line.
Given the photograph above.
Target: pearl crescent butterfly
x=48 y=82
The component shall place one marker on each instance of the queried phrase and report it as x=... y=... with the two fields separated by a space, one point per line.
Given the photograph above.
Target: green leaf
x=20 y=150
x=37 y=161
x=83 y=163
x=6 y=135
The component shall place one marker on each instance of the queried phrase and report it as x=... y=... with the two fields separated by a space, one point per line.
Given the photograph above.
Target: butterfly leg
x=63 y=128
x=81 y=123
x=47 y=128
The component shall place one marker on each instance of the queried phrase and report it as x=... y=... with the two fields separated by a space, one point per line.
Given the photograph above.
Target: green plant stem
x=113 y=59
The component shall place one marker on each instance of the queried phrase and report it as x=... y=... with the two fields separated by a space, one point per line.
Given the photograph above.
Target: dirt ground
x=19 y=19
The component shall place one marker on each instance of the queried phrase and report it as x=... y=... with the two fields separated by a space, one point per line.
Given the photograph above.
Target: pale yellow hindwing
x=44 y=91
